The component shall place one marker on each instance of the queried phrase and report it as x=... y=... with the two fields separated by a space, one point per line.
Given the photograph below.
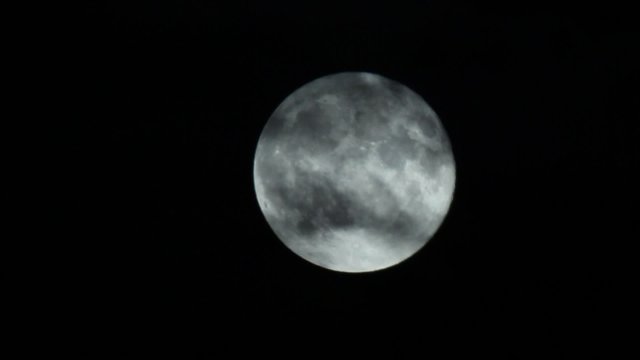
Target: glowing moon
x=354 y=172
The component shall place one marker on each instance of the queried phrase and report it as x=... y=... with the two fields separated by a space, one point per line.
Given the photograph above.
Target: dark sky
x=149 y=198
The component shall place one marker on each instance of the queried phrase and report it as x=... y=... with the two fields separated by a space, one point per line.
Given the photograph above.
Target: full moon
x=354 y=172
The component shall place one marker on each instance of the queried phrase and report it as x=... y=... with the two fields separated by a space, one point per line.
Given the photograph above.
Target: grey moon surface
x=354 y=172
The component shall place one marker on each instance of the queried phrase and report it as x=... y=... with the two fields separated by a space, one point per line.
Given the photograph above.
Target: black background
x=148 y=196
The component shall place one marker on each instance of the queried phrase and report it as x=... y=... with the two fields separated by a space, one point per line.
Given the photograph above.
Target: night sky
x=148 y=191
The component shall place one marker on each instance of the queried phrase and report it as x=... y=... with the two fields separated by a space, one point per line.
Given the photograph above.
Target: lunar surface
x=354 y=172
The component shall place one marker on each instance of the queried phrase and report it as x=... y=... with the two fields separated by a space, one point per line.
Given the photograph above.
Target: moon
x=354 y=172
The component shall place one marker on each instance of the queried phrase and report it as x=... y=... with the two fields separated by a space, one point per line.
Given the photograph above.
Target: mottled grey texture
x=354 y=172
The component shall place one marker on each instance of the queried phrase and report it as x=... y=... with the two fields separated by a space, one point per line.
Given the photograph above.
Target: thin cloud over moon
x=354 y=172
